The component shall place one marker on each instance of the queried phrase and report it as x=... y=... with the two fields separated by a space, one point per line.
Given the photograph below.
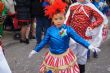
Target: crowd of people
x=69 y=26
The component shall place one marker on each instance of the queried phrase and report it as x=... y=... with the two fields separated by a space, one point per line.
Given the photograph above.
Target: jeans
x=42 y=24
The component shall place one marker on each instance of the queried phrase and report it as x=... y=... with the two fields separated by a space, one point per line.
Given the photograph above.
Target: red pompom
x=57 y=5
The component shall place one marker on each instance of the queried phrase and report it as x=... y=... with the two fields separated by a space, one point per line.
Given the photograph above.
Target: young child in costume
x=59 y=58
x=79 y=16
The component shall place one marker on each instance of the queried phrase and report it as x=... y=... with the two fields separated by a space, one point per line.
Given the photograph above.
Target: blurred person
x=23 y=13
x=79 y=17
x=42 y=21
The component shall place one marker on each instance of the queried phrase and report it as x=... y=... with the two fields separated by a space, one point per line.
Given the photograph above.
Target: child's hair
x=56 y=7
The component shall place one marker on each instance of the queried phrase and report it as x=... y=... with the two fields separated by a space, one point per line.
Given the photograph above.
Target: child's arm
x=41 y=45
x=98 y=15
x=81 y=41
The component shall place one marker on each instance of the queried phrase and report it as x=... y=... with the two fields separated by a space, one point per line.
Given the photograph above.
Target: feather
x=52 y=9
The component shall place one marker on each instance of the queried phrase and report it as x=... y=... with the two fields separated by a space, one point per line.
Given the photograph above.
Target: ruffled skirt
x=63 y=63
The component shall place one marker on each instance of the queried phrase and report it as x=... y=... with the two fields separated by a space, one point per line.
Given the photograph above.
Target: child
x=59 y=59
x=79 y=16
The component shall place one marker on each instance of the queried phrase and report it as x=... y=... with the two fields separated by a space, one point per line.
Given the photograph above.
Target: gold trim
x=61 y=67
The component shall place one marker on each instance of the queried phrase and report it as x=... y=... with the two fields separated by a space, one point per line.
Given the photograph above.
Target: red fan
x=56 y=6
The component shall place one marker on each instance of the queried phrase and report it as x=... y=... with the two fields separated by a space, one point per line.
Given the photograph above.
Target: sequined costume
x=80 y=16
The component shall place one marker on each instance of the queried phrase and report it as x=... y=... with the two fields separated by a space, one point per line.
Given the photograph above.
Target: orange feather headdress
x=1 y=7
x=56 y=6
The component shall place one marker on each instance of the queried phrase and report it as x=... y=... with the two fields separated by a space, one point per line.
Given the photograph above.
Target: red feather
x=57 y=5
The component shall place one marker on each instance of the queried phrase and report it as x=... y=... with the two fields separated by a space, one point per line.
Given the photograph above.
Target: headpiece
x=56 y=6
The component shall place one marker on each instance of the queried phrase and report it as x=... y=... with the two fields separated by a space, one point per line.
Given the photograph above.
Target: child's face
x=58 y=19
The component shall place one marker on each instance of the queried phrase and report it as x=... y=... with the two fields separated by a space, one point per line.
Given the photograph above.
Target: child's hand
x=32 y=53
x=94 y=49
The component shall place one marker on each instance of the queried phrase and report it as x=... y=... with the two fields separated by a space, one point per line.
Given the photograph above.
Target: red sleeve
x=98 y=19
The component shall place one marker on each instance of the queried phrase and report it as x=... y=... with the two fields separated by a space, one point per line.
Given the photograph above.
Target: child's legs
x=23 y=31
x=27 y=31
x=33 y=29
x=81 y=54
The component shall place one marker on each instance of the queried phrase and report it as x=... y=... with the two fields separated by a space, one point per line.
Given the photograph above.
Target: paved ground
x=17 y=57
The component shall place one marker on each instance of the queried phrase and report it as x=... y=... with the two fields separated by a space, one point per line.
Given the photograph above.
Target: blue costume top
x=58 y=39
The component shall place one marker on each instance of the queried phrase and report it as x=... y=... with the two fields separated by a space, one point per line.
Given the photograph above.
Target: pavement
x=17 y=56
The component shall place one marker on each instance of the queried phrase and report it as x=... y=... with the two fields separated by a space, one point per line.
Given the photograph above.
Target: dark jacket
x=37 y=8
x=23 y=9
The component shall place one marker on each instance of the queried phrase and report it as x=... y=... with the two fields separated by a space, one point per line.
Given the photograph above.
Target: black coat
x=23 y=9
x=37 y=8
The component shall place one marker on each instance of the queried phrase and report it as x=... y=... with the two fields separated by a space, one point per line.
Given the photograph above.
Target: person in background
x=59 y=58
x=23 y=13
x=42 y=21
x=79 y=17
